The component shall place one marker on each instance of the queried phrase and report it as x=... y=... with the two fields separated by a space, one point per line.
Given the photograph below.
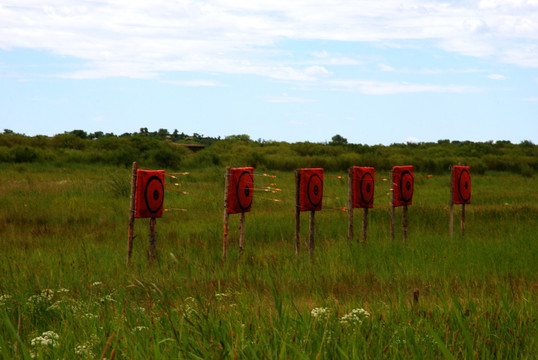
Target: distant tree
x=338 y=140
x=163 y=133
x=96 y=135
x=241 y=137
x=79 y=133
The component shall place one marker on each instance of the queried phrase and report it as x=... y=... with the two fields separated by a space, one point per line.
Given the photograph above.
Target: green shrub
x=23 y=154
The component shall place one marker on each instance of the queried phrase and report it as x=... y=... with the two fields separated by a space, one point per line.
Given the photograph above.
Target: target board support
x=350 y=204
x=238 y=194
x=308 y=197
x=460 y=193
x=360 y=195
x=297 y=212
x=152 y=254
x=131 y=213
x=401 y=195
x=226 y=216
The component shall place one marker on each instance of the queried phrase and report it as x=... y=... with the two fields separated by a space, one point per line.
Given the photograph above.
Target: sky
x=374 y=72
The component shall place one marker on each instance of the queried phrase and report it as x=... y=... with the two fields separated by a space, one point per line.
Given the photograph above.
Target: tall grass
x=65 y=291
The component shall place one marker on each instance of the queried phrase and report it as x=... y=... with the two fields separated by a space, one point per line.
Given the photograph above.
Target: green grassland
x=67 y=293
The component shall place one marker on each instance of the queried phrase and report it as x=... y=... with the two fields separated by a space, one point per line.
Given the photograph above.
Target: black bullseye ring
x=154 y=194
x=314 y=190
x=244 y=190
x=406 y=186
x=464 y=186
x=366 y=188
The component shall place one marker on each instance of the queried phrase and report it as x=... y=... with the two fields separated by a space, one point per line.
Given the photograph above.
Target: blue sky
x=375 y=72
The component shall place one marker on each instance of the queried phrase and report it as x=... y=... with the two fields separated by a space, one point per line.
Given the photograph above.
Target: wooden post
x=131 y=213
x=392 y=210
x=241 y=232
x=404 y=224
x=462 y=219
x=226 y=215
x=152 y=241
x=451 y=215
x=311 y=233
x=364 y=223
x=350 y=204
x=297 y=212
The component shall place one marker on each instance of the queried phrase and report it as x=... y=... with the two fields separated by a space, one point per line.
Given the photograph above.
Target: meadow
x=67 y=293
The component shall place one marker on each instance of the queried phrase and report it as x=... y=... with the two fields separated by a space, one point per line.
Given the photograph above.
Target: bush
x=21 y=154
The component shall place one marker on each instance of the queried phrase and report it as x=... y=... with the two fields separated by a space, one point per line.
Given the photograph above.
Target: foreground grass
x=65 y=291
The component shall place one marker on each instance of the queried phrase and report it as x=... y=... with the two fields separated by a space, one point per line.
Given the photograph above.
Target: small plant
x=119 y=186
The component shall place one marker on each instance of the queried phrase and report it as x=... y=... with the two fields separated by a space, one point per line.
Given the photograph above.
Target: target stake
x=226 y=215
x=404 y=224
x=462 y=219
x=297 y=212
x=241 y=232
x=392 y=209
x=311 y=232
x=350 y=204
x=451 y=215
x=364 y=224
x=152 y=248
x=131 y=214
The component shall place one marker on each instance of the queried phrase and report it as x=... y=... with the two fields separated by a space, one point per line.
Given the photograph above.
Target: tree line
x=168 y=150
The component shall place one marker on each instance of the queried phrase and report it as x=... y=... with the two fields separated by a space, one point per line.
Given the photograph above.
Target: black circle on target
x=464 y=185
x=406 y=186
x=154 y=194
x=243 y=190
x=367 y=188
x=314 y=190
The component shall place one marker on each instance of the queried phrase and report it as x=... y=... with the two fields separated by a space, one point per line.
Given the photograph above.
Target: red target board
x=149 y=196
x=240 y=190
x=461 y=184
x=310 y=189
x=363 y=187
x=402 y=185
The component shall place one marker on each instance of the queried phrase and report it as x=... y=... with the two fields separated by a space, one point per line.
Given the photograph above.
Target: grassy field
x=66 y=292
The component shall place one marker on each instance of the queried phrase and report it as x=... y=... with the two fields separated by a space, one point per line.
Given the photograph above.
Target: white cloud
x=370 y=87
x=193 y=83
x=143 y=39
x=284 y=98
x=384 y=67
x=412 y=139
x=497 y=77
x=531 y=99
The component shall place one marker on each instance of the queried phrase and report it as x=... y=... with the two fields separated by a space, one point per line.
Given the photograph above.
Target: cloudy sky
x=292 y=70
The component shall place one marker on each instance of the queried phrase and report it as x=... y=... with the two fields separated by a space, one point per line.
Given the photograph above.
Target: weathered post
x=226 y=215
x=297 y=212
x=131 y=213
x=152 y=240
x=350 y=204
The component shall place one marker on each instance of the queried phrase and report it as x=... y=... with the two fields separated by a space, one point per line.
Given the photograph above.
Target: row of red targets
x=149 y=196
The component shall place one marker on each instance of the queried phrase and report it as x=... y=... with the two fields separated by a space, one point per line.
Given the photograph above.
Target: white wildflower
x=38 y=301
x=84 y=351
x=5 y=299
x=97 y=283
x=48 y=338
x=320 y=314
x=139 y=328
x=189 y=311
x=62 y=291
x=47 y=293
x=355 y=317
x=221 y=296
x=89 y=316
